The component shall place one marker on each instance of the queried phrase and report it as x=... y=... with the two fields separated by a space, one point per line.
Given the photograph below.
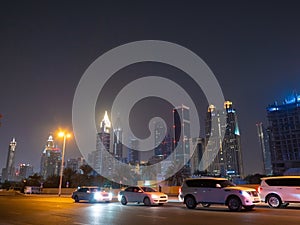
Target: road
x=39 y=210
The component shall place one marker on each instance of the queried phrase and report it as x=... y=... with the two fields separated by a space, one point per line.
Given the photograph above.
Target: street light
x=64 y=136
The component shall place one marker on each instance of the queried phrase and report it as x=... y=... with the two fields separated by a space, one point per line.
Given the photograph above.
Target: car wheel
x=274 y=201
x=147 y=201
x=123 y=200
x=76 y=198
x=234 y=204
x=190 y=202
x=249 y=207
x=206 y=205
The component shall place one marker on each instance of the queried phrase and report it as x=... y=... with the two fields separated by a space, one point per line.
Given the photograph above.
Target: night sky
x=252 y=47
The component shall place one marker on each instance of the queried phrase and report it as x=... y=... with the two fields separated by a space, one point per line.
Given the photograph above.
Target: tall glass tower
x=50 y=159
x=227 y=151
x=284 y=134
x=8 y=173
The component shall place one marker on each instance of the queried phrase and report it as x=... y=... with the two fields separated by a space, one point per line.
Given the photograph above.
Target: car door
x=212 y=192
x=128 y=192
x=82 y=194
x=138 y=194
x=290 y=189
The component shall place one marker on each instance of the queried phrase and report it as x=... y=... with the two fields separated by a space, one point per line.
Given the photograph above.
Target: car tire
x=147 y=201
x=234 y=204
x=190 y=202
x=76 y=198
x=205 y=205
x=123 y=200
x=274 y=201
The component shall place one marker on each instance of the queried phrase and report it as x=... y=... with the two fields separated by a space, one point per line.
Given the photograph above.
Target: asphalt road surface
x=38 y=210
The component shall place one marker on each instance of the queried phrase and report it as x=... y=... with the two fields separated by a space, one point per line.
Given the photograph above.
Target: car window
x=136 y=189
x=82 y=190
x=195 y=183
x=226 y=183
x=94 y=189
x=283 y=182
x=148 y=189
x=129 y=189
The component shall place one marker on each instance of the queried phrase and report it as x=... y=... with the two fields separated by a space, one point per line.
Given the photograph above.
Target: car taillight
x=259 y=189
x=180 y=190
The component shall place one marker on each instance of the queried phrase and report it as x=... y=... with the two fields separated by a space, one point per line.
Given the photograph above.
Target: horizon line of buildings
x=279 y=142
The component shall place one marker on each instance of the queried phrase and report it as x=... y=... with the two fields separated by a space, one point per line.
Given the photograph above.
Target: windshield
x=148 y=189
x=226 y=183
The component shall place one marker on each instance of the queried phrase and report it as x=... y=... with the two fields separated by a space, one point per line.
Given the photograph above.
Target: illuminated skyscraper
x=117 y=140
x=226 y=152
x=284 y=134
x=50 y=159
x=182 y=132
x=98 y=159
x=25 y=171
x=8 y=173
x=182 y=137
x=265 y=148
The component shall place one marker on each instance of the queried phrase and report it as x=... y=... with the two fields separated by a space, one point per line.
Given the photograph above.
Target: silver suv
x=280 y=191
x=207 y=191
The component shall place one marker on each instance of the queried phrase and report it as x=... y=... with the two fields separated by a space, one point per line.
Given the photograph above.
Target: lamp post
x=64 y=136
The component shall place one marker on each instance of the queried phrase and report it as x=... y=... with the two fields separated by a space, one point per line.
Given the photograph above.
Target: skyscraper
x=50 y=159
x=98 y=159
x=227 y=151
x=182 y=138
x=284 y=134
x=181 y=116
x=117 y=141
x=265 y=148
x=25 y=170
x=8 y=173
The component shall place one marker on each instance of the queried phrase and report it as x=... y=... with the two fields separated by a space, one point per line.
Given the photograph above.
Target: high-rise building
x=223 y=142
x=75 y=164
x=284 y=134
x=133 y=155
x=265 y=148
x=98 y=159
x=50 y=159
x=8 y=173
x=25 y=170
x=199 y=144
x=181 y=118
x=117 y=141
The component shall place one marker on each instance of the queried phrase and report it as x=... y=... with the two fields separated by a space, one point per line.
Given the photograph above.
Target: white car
x=92 y=194
x=208 y=190
x=145 y=195
x=280 y=191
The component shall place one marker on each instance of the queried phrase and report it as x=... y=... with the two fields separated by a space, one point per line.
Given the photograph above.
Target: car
x=211 y=190
x=280 y=191
x=146 y=195
x=91 y=194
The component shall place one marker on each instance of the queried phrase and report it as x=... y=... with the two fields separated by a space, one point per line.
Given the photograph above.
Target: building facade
x=9 y=172
x=223 y=143
x=50 y=159
x=263 y=141
x=284 y=134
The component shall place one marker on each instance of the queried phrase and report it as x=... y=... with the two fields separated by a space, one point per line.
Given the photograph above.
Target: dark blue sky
x=252 y=47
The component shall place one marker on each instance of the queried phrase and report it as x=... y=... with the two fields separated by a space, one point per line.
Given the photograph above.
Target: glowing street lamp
x=64 y=135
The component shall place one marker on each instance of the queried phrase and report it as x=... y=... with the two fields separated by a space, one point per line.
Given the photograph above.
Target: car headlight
x=97 y=195
x=154 y=196
x=244 y=193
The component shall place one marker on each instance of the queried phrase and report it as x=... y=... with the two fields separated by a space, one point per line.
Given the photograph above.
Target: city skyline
x=46 y=47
